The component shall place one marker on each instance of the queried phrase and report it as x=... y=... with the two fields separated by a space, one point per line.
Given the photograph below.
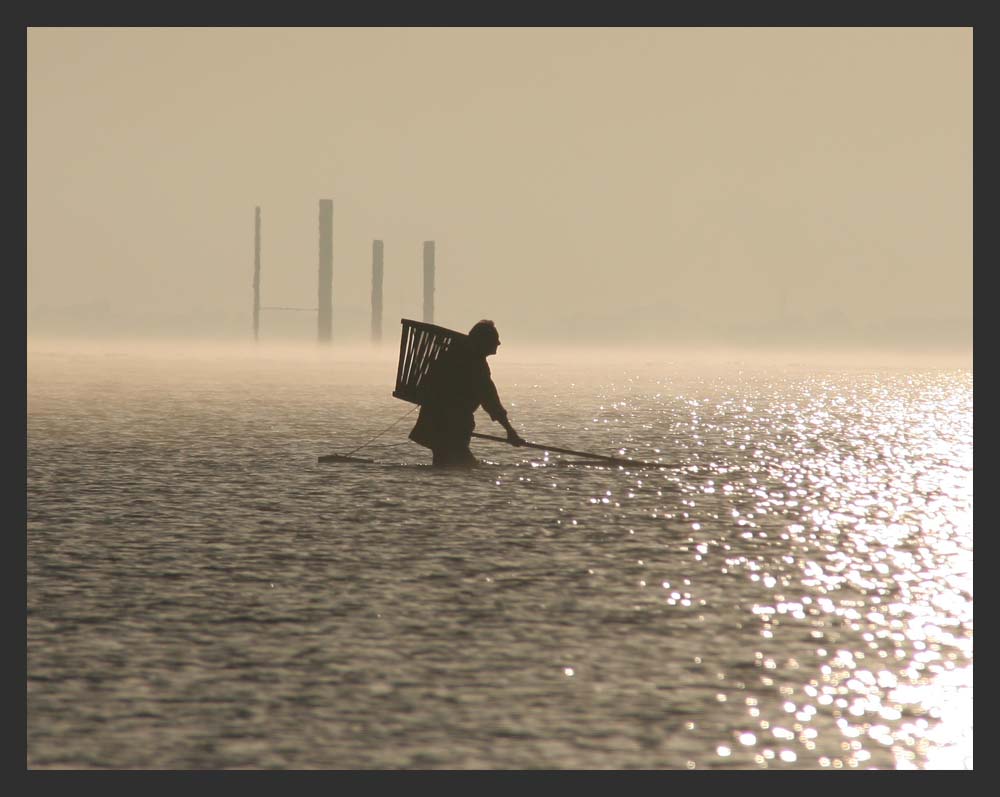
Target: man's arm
x=491 y=403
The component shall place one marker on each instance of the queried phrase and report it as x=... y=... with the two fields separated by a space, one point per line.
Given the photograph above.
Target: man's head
x=484 y=337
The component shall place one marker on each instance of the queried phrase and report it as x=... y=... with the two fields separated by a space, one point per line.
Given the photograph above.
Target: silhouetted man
x=458 y=383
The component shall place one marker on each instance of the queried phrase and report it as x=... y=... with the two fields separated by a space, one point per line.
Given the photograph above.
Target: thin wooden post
x=429 y=282
x=256 y=273
x=376 y=291
x=324 y=331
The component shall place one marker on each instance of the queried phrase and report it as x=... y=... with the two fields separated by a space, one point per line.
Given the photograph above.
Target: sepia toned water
x=795 y=591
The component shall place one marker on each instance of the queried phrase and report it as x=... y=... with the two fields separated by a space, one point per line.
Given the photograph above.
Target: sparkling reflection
x=869 y=491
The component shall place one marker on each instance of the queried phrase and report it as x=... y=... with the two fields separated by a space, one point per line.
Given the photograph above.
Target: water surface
x=794 y=591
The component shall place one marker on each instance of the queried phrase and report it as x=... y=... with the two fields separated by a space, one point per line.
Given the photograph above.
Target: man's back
x=459 y=379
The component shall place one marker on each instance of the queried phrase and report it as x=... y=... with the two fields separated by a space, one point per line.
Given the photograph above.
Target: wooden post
x=376 y=291
x=324 y=305
x=429 y=282
x=256 y=273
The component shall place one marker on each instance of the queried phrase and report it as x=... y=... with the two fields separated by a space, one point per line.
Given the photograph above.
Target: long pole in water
x=376 y=291
x=614 y=460
x=429 y=282
x=324 y=303
x=256 y=273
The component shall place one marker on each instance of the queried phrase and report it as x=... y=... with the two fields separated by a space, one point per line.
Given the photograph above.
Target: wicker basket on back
x=420 y=346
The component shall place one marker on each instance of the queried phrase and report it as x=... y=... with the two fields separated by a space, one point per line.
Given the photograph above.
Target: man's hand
x=514 y=438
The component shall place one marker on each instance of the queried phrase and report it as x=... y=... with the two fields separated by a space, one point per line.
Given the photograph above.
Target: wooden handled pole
x=613 y=460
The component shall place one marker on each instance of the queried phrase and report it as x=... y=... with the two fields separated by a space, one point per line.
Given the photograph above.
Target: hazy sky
x=596 y=183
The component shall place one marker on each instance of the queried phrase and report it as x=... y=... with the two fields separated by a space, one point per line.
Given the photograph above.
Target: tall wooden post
x=324 y=305
x=429 y=282
x=256 y=273
x=376 y=291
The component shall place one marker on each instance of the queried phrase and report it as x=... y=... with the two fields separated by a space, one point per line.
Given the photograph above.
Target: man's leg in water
x=457 y=453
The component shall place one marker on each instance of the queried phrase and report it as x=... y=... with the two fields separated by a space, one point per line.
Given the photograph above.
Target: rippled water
x=795 y=592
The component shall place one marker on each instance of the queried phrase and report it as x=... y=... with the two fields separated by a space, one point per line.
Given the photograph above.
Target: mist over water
x=726 y=184
x=794 y=591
